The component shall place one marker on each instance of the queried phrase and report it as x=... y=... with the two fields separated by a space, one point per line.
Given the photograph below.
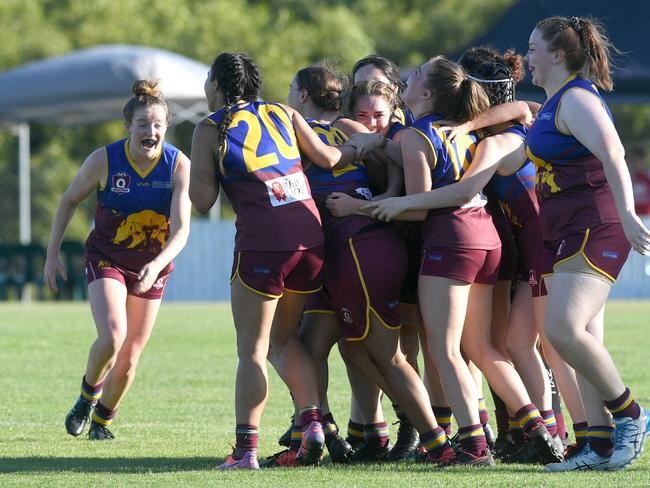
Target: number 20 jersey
x=264 y=180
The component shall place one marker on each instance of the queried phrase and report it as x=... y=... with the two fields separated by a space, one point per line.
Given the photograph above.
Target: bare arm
x=179 y=226
x=493 y=152
x=418 y=161
x=203 y=184
x=584 y=116
x=519 y=111
x=327 y=156
x=350 y=126
x=90 y=176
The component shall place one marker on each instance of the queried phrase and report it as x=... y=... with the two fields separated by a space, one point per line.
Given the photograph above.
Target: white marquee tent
x=92 y=85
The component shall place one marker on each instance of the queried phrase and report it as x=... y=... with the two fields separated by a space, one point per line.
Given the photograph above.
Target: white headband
x=489 y=81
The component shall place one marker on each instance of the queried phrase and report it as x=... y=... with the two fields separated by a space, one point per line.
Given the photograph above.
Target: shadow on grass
x=103 y=465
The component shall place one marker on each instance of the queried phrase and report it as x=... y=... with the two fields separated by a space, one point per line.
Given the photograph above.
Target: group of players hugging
x=439 y=217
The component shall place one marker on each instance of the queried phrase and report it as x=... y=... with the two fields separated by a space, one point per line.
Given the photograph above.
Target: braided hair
x=239 y=80
x=497 y=73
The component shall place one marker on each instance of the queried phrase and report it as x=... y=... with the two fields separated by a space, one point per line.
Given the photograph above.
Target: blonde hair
x=454 y=94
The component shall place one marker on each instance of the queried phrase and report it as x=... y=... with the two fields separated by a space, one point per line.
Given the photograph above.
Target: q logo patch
x=120 y=183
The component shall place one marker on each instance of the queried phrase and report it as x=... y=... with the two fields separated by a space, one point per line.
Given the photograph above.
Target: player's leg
x=141 y=317
x=107 y=297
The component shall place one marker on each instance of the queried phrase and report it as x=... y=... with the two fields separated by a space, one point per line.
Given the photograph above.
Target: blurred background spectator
x=637 y=159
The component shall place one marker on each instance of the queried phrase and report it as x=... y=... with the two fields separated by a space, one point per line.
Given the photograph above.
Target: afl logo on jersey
x=121 y=183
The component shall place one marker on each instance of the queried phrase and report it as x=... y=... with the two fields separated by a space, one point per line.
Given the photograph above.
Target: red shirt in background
x=641 y=185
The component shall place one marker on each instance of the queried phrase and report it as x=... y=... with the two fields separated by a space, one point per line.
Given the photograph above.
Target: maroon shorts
x=271 y=273
x=97 y=268
x=468 y=265
x=604 y=247
x=319 y=302
x=534 y=276
x=411 y=233
x=509 y=258
x=365 y=278
x=509 y=253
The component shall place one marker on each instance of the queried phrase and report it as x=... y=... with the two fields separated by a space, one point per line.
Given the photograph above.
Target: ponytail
x=454 y=94
x=585 y=45
x=598 y=48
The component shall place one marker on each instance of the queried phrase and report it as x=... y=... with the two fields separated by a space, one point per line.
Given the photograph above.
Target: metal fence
x=203 y=267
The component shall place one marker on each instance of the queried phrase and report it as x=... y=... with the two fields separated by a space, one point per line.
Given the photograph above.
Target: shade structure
x=626 y=22
x=93 y=84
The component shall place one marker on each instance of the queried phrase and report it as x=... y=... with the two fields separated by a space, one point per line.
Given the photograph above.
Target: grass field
x=177 y=421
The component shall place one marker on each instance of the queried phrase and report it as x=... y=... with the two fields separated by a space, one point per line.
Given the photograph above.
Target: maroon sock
x=600 y=439
x=330 y=429
x=528 y=418
x=503 y=421
x=91 y=392
x=355 y=432
x=482 y=411
x=624 y=406
x=472 y=439
x=581 y=431
x=296 y=438
x=435 y=441
x=443 y=417
x=376 y=434
x=103 y=415
x=549 y=421
x=561 y=425
x=516 y=432
x=308 y=415
x=247 y=438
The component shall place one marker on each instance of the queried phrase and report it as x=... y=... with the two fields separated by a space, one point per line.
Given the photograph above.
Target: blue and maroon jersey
x=351 y=180
x=395 y=127
x=517 y=197
x=466 y=227
x=264 y=180
x=404 y=116
x=132 y=214
x=516 y=191
x=571 y=185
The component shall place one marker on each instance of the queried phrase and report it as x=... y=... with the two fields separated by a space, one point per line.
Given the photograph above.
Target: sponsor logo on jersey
x=145 y=230
x=167 y=185
x=610 y=254
x=560 y=248
x=545 y=116
x=120 y=183
x=287 y=189
x=347 y=315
